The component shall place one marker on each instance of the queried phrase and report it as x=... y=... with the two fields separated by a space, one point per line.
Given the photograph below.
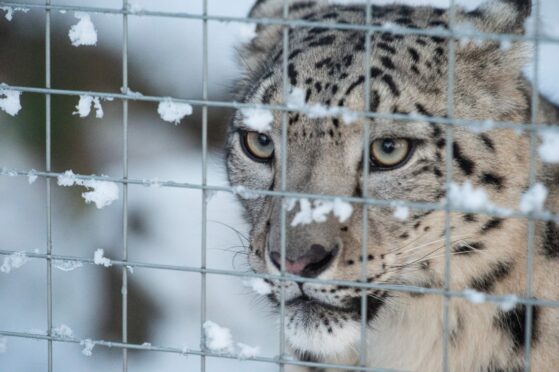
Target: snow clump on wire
x=9 y=101
x=173 y=112
x=83 y=32
x=103 y=193
x=13 y=261
x=319 y=210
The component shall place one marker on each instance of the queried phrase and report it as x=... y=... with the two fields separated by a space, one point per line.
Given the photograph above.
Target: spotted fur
x=408 y=74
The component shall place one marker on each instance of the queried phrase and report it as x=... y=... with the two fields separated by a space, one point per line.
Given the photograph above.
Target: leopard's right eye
x=258 y=146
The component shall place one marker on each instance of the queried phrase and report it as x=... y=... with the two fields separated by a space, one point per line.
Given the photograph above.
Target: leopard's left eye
x=390 y=153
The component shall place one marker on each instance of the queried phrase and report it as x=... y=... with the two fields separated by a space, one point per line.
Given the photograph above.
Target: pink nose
x=310 y=264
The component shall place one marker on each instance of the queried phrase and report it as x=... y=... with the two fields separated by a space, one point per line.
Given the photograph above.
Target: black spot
x=438 y=24
x=375 y=72
x=301 y=5
x=318 y=86
x=403 y=21
x=492 y=224
x=488 y=142
x=466 y=164
x=325 y=40
x=470 y=217
x=404 y=236
x=334 y=88
x=421 y=42
x=268 y=93
x=294 y=53
x=414 y=54
x=375 y=101
x=324 y=62
x=486 y=282
x=468 y=248
x=415 y=70
x=386 y=48
x=441 y=143
x=437 y=172
x=336 y=122
x=292 y=73
x=422 y=110
x=387 y=62
x=489 y=178
x=513 y=323
x=330 y=15
x=551 y=240
x=317 y=30
x=355 y=84
x=347 y=60
x=391 y=84
x=439 y=51
x=438 y=40
x=344 y=228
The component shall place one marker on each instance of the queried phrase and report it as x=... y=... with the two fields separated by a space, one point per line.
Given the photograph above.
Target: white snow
x=134 y=6
x=10 y=11
x=259 y=120
x=84 y=106
x=3 y=344
x=218 y=339
x=467 y=196
x=481 y=127
x=13 y=261
x=401 y=213
x=88 y=346
x=247 y=32
x=533 y=200
x=549 y=149
x=173 y=112
x=474 y=296
x=509 y=303
x=9 y=101
x=247 y=351
x=319 y=210
x=62 y=331
x=83 y=32
x=147 y=344
x=65 y=265
x=31 y=176
x=258 y=285
x=296 y=98
x=468 y=32
x=103 y=193
x=100 y=259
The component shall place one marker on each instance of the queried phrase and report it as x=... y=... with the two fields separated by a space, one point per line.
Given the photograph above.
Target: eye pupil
x=263 y=140
x=388 y=146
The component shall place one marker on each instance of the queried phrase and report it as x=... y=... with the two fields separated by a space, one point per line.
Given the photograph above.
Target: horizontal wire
x=187 y=351
x=483 y=125
x=395 y=29
x=425 y=206
x=497 y=299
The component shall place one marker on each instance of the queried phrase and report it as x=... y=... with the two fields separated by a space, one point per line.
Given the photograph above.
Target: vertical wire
x=124 y=289
x=48 y=164
x=532 y=180
x=364 y=189
x=449 y=134
x=203 y=298
x=283 y=186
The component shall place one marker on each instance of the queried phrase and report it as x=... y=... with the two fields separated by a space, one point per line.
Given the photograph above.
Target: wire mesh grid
x=449 y=121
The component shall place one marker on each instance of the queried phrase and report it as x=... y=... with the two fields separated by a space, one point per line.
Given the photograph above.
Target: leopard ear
x=501 y=16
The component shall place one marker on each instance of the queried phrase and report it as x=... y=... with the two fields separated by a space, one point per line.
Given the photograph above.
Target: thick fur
x=409 y=74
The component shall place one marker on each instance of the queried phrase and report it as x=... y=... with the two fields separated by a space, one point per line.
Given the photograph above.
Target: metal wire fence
x=450 y=122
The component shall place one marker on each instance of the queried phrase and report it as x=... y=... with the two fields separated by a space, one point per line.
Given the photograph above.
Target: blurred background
x=165 y=59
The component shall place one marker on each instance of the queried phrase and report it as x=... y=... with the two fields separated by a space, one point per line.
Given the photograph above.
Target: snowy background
x=165 y=59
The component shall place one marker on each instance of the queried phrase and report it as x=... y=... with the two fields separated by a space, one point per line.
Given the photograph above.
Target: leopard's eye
x=257 y=146
x=390 y=153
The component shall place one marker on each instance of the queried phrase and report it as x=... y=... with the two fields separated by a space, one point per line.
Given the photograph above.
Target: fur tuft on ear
x=502 y=16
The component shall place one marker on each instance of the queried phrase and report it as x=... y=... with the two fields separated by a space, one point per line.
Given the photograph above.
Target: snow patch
x=549 y=149
x=88 y=346
x=63 y=331
x=31 y=176
x=509 y=303
x=319 y=210
x=218 y=339
x=401 y=213
x=245 y=193
x=13 y=261
x=10 y=11
x=173 y=112
x=83 y=32
x=258 y=285
x=103 y=193
x=474 y=296
x=65 y=265
x=84 y=106
x=247 y=351
x=100 y=259
x=533 y=200
x=467 y=196
x=259 y=120
x=296 y=98
x=9 y=101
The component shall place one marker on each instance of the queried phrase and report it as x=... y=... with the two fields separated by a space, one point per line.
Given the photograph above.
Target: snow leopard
x=408 y=161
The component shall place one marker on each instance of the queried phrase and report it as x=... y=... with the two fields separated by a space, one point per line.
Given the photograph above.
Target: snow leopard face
x=408 y=75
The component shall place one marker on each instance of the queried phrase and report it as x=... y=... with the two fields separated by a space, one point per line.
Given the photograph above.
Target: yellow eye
x=389 y=153
x=258 y=146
